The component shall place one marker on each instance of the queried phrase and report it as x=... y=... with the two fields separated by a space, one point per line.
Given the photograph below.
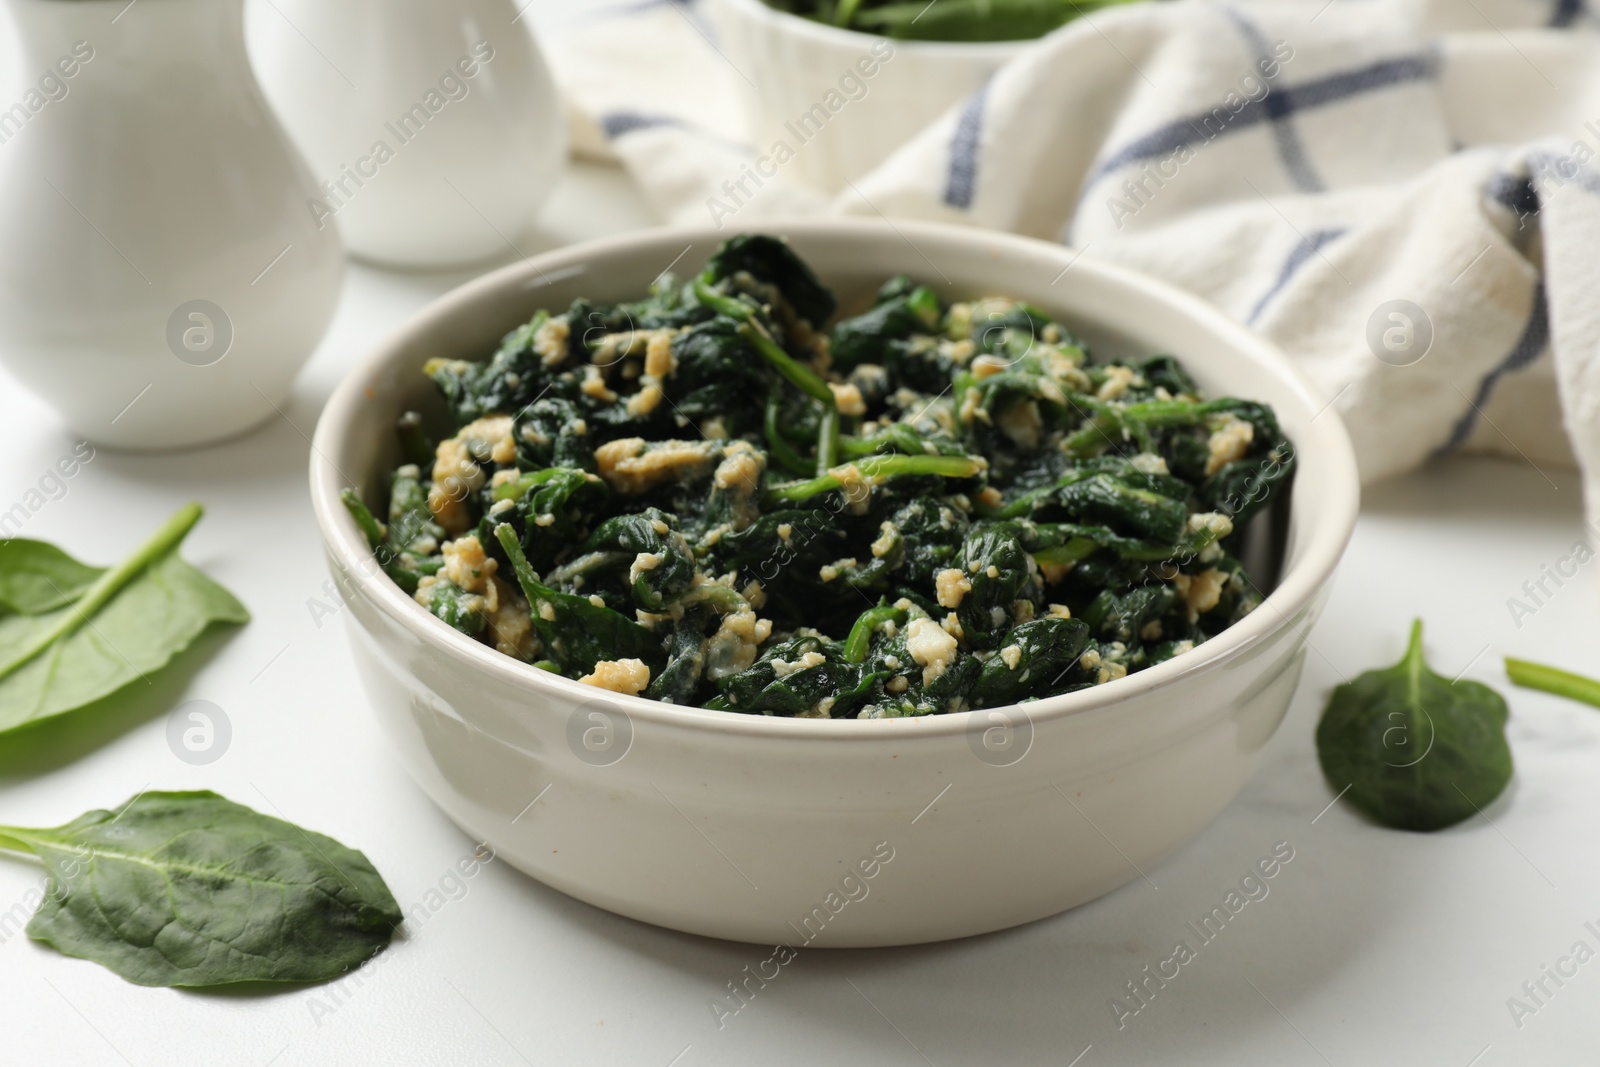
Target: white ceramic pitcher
x=160 y=279
x=433 y=125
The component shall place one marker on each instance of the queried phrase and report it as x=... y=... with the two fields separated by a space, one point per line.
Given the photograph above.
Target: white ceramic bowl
x=765 y=829
x=790 y=66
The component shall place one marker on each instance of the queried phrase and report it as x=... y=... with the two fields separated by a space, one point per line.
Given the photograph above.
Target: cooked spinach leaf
x=1037 y=657
x=579 y=632
x=770 y=262
x=190 y=889
x=947 y=20
x=1416 y=750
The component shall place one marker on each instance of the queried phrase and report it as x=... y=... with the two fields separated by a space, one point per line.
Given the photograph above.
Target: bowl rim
x=1297 y=590
x=788 y=22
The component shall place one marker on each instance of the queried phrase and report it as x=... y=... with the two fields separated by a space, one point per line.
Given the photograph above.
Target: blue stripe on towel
x=963 y=176
x=1303 y=250
x=1515 y=192
x=1566 y=12
x=1420 y=66
x=1535 y=337
x=615 y=124
x=1189 y=132
x=1291 y=148
x=1549 y=165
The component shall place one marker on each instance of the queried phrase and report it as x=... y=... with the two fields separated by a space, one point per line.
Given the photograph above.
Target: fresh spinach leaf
x=191 y=889
x=129 y=621
x=36 y=578
x=1417 y=751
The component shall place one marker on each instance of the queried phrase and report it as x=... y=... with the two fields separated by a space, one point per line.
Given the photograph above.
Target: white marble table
x=1372 y=947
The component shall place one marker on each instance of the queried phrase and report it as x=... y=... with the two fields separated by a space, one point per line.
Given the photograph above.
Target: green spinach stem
x=828 y=440
x=801 y=376
x=1553 y=680
x=804 y=378
x=782 y=451
x=370 y=526
x=732 y=307
x=15 y=839
x=884 y=466
x=518 y=487
x=1071 y=552
x=859 y=642
x=108 y=585
x=526 y=576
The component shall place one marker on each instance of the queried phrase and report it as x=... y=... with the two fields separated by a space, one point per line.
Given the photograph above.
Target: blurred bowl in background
x=841 y=100
x=433 y=126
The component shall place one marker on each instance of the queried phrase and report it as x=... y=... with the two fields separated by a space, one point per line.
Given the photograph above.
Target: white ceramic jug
x=161 y=281
x=433 y=125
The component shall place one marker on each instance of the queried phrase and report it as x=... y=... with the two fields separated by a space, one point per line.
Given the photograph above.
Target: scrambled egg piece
x=932 y=648
x=952 y=586
x=466 y=565
x=627 y=676
x=456 y=471
x=631 y=465
x=1228 y=442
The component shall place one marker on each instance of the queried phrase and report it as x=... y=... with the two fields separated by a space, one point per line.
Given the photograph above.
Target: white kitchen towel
x=1360 y=180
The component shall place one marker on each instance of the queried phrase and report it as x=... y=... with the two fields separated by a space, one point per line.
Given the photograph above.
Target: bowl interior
x=1291 y=549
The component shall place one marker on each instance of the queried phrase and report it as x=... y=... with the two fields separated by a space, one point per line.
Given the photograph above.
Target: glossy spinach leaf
x=551 y=510
x=715 y=369
x=578 y=632
x=865 y=338
x=1035 y=662
x=523 y=369
x=771 y=260
x=37 y=577
x=1001 y=573
x=552 y=432
x=456 y=608
x=800 y=677
x=970 y=20
x=191 y=889
x=686 y=663
x=662 y=565
x=1417 y=751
